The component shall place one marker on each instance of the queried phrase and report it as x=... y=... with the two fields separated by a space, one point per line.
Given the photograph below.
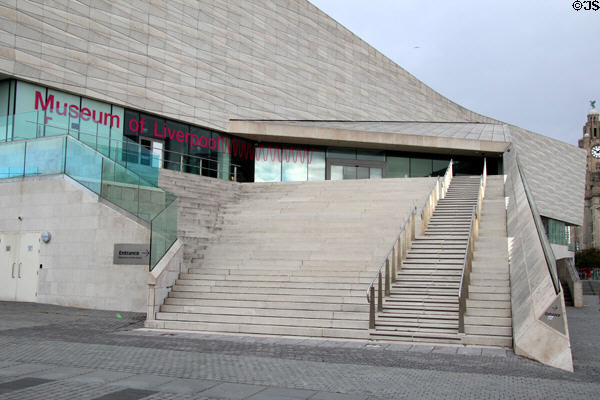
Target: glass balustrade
x=102 y=175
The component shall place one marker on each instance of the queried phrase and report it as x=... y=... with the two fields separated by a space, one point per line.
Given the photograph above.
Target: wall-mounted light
x=46 y=236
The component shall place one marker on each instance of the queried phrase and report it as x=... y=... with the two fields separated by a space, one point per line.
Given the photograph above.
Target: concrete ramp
x=292 y=258
x=539 y=319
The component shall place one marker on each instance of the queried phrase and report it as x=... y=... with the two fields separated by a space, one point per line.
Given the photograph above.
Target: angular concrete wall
x=540 y=329
x=555 y=172
x=206 y=62
x=78 y=267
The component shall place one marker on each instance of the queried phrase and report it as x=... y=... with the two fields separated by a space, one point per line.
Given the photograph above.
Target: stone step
x=488 y=321
x=258 y=304
x=489 y=312
x=487 y=340
x=264 y=320
x=265 y=312
x=488 y=330
x=260 y=329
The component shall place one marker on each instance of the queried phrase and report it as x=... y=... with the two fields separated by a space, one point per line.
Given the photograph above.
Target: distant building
x=590 y=230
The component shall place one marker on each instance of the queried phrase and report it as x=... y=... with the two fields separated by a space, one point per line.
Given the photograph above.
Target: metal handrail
x=400 y=247
x=126 y=144
x=546 y=247
x=406 y=220
x=465 y=277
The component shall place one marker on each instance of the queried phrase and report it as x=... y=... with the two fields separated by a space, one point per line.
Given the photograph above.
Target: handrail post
x=372 y=308
x=387 y=277
x=412 y=224
x=181 y=163
x=394 y=262
x=379 y=293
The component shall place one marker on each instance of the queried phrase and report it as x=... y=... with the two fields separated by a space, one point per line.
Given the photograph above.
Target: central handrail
x=401 y=245
x=465 y=277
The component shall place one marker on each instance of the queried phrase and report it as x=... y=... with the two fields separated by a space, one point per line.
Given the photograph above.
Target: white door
x=28 y=267
x=9 y=254
x=19 y=266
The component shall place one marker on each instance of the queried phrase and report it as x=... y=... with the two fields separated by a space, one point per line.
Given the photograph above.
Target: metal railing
x=545 y=242
x=97 y=172
x=401 y=245
x=130 y=153
x=465 y=278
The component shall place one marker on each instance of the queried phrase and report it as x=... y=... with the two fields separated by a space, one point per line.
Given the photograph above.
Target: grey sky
x=535 y=64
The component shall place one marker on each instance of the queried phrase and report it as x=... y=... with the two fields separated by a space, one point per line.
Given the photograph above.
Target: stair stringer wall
x=532 y=290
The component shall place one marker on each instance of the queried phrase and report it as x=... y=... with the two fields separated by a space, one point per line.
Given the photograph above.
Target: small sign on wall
x=131 y=254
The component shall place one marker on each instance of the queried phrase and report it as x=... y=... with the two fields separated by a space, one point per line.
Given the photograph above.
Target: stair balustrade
x=392 y=263
x=465 y=278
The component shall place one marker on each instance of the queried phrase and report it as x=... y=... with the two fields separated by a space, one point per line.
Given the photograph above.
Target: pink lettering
x=179 y=136
x=73 y=111
x=39 y=101
x=86 y=114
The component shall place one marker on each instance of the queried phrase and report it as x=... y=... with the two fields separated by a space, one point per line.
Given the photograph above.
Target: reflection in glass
x=4 y=92
x=28 y=122
x=12 y=159
x=376 y=173
x=45 y=157
x=338 y=152
x=397 y=167
x=420 y=167
x=349 y=172
x=267 y=164
x=440 y=166
x=372 y=155
x=362 y=173
x=337 y=172
x=294 y=165
x=316 y=165
x=58 y=118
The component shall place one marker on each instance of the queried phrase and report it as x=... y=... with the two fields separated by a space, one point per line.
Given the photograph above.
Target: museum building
x=137 y=138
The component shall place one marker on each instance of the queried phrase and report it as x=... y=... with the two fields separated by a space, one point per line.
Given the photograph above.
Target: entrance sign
x=131 y=254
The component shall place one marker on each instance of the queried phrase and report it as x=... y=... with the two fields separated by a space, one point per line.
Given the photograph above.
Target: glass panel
x=373 y=155
x=397 y=167
x=376 y=173
x=362 y=173
x=316 y=165
x=84 y=165
x=63 y=117
x=4 y=110
x=420 y=167
x=440 y=166
x=12 y=159
x=120 y=186
x=202 y=152
x=337 y=172
x=294 y=164
x=338 y=152
x=349 y=172
x=95 y=130
x=267 y=164
x=164 y=232
x=45 y=157
x=28 y=121
x=116 y=132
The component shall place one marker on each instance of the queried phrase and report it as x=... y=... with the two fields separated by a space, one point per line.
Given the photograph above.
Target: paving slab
x=233 y=391
x=187 y=385
x=100 y=376
x=143 y=381
x=283 y=394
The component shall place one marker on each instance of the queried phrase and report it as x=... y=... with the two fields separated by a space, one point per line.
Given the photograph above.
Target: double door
x=19 y=266
x=341 y=169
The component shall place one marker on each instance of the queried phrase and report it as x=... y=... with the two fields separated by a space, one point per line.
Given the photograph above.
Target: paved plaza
x=51 y=352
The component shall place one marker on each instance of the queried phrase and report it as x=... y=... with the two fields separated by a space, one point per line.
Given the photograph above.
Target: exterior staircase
x=287 y=258
x=423 y=305
x=488 y=319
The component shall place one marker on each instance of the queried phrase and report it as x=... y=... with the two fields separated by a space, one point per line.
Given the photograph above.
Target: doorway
x=19 y=266
x=342 y=169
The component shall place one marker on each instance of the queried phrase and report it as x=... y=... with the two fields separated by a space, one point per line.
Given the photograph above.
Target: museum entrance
x=342 y=169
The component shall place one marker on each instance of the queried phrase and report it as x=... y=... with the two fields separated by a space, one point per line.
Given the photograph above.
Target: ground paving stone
x=67 y=340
